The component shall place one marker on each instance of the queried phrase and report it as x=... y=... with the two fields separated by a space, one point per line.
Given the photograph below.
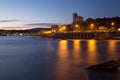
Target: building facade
x=77 y=19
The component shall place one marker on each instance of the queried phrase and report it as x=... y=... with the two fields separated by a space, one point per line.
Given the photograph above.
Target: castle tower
x=77 y=19
x=74 y=17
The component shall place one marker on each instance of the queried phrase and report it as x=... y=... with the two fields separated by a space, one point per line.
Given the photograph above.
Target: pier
x=75 y=35
x=82 y=35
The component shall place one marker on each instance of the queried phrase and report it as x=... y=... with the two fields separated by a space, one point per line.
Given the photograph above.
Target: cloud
x=4 y=21
x=46 y=25
x=14 y=28
x=40 y=24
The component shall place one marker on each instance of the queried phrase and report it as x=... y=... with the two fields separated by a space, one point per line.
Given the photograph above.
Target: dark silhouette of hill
x=37 y=29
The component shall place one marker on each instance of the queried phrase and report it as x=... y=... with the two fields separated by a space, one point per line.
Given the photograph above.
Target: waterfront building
x=54 y=28
x=75 y=30
x=77 y=19
x=65 y=28
x=69 y=27
x=102 y=29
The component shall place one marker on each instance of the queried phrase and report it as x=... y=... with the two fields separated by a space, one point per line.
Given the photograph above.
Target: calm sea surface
x=35 y=58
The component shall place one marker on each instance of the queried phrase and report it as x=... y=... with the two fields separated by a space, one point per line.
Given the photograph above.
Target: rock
x=110 y=66
x=119 y=60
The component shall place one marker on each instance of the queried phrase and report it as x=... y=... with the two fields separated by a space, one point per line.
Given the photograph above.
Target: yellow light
x=91 y=25
x=47 y=32
x=112 y=23
x=76 y=25
x=119 y=29
x=64 y=27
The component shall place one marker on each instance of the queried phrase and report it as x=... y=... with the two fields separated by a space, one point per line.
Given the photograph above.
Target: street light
x=112 y=23
x=76 y=27
x=91 y=26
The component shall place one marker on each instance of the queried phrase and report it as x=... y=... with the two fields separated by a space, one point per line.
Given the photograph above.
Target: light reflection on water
x=92 y=56
x=112 y=49
x=77 y=52
x=92 y=52
x=63 y=63
x=67 y=61
x=26 y=58
x=63 y=54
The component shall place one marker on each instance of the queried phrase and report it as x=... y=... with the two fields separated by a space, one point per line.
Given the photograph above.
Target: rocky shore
x=109 y=66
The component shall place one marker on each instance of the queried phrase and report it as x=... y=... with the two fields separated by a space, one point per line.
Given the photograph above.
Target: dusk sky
x=22 y=14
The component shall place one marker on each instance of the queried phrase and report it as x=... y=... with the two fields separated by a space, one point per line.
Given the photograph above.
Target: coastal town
x=59 y=39
x=99 y=28
x=89 y=29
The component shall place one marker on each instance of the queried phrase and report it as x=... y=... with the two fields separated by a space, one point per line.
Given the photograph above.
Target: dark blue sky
x=18 y=13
